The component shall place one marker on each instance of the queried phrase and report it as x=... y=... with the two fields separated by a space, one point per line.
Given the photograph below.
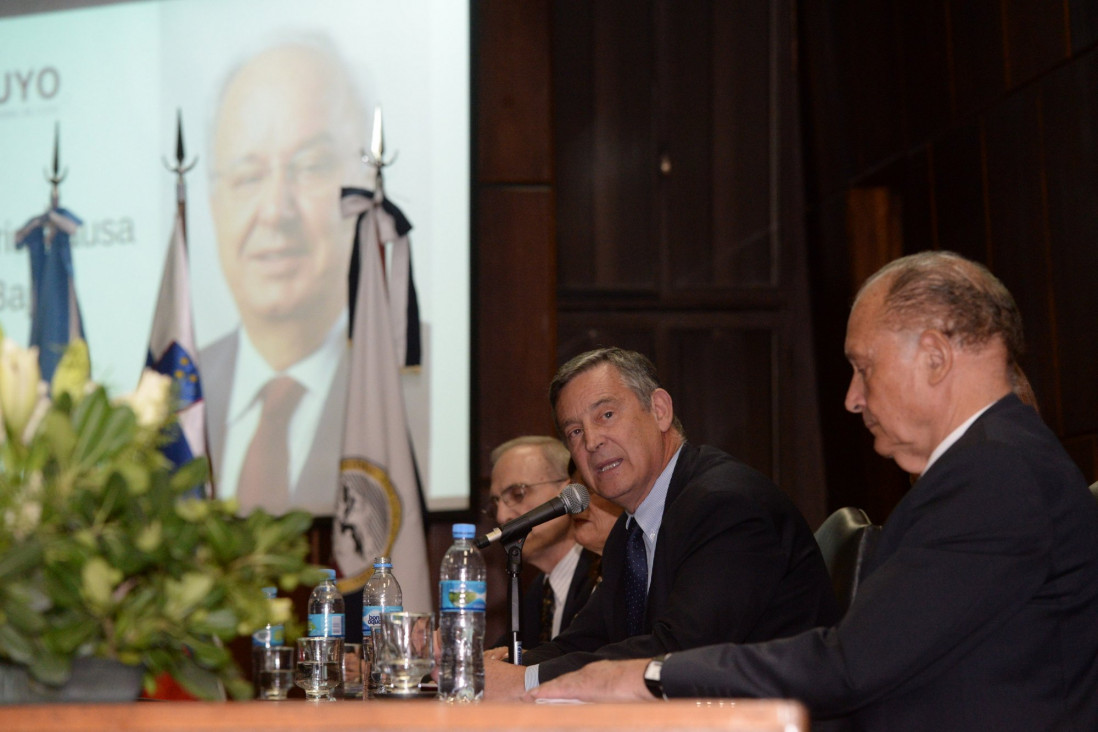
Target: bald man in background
x=285 y=139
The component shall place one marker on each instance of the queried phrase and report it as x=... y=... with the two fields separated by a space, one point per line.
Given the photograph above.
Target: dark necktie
x=636 y=578
x=264 y=477
x=548 y=605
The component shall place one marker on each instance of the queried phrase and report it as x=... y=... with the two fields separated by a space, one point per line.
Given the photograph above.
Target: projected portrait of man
x=286 y=136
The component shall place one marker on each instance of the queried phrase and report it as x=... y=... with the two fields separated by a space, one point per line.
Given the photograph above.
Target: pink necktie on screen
x=264 y=478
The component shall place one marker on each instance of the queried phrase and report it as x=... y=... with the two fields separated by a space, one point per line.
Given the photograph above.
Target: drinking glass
x=405 y=651
x=319 y=666
x=352 y=671
x=273 y=667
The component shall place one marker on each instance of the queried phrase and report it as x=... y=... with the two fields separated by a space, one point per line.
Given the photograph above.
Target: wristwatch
x=652 y=674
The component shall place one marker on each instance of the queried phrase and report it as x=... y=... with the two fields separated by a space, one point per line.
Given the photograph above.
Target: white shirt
x=252 y=372
x=560 y=579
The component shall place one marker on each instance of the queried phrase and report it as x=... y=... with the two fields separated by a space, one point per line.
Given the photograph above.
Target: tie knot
x=280 y=397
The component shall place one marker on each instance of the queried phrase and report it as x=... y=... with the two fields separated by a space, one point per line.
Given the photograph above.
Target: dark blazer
x=321 y=469
x=979 y=609
x=735 y=561
x=584 y=579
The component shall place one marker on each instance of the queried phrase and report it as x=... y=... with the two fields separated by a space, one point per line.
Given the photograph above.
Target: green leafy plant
x=105 y=551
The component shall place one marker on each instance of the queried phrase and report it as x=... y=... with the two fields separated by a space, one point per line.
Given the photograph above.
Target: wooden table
x=407 y=716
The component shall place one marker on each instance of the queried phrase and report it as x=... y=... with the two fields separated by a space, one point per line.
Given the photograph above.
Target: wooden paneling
x=1010 y=180
x=870 y=64
x=605 y=148
x=1070 y=131
x=512 y=97
x=1019 y=241
x=924 y=49
x=976 y=47
x=1083 y=26
x=1036 y=37
x=717 y=138
x=959 y=193
x=516 y=354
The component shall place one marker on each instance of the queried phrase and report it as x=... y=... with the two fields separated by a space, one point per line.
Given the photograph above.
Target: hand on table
x=601 y=681
x=499 y=653
x=504 y=681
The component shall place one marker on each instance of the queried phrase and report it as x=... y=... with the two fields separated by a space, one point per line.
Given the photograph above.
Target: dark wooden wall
x=962 y=125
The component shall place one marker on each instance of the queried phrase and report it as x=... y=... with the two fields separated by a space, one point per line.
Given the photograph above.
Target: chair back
x=847 y=539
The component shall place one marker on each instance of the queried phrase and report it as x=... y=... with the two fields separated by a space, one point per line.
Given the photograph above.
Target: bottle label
x=326 y=624
x=371 y=616
x=272 y=635
x=456 y=595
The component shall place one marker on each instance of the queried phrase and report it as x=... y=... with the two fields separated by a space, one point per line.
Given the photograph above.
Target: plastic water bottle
x=380 y=595
x=326 y=608
x=461 y=619
x=269 y=635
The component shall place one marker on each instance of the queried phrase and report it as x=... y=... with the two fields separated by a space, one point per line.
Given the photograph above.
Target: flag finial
x=376 y=155
x=55 y=178
x=180 y=168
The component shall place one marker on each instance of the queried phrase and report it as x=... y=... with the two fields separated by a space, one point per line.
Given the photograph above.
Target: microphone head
x=575 y=497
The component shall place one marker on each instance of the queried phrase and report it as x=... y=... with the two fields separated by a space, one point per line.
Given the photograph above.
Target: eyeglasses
x=513 y=495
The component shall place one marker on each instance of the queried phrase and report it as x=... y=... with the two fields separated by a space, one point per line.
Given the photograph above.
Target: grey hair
x=552 y=449
x=959 y=297
x=637 y=372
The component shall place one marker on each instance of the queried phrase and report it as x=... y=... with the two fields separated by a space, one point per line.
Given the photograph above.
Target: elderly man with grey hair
x=526 y=472
x=285 y=138
x=978 y=609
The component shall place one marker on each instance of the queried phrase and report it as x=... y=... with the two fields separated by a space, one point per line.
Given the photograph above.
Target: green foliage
x=102 y=552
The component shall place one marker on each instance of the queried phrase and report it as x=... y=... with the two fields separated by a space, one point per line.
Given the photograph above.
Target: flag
x=172 y=348
x=55 y=312
x=403 y=301
x=379 y=508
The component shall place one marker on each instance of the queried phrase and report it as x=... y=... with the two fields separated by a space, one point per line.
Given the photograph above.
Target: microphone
x=573 y=499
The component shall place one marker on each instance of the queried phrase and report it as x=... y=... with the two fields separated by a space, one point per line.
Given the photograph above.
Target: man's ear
x=936 y=351
x=663 y=409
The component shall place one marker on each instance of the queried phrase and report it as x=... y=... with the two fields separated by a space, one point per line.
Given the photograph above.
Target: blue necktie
x=636 y=579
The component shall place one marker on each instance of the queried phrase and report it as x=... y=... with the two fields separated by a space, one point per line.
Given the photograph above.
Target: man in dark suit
x=978 y=610
x=708 y=549
x=526 y=472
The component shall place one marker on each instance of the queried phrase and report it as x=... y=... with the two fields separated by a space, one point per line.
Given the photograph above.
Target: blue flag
x=55 y=313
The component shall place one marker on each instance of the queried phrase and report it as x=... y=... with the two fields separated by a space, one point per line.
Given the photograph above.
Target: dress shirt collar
x=314 y=372
x=953 y=436
x=649 y=514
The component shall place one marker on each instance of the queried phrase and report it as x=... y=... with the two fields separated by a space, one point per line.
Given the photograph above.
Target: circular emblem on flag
x=367 y=516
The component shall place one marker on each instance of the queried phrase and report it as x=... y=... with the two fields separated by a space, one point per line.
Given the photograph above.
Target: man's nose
x=277 y=202
x=855 y=395
x=592 y=439
x=505 y=513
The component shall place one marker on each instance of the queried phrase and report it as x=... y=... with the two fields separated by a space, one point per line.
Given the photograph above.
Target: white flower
x=150 y=402
x=19 y=385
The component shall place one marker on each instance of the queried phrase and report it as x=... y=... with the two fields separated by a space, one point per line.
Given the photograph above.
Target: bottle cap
x=270 y=592
x=331 y=573
x=464 y=531
x=380 y=562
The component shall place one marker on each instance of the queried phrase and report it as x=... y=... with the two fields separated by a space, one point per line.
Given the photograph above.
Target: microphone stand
x=514 y=569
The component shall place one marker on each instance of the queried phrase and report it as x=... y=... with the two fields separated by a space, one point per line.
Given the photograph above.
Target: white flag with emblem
x=378 y=506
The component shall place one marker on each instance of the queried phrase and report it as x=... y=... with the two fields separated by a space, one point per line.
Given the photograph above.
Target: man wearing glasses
x=284 y=140
x=527 y=472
